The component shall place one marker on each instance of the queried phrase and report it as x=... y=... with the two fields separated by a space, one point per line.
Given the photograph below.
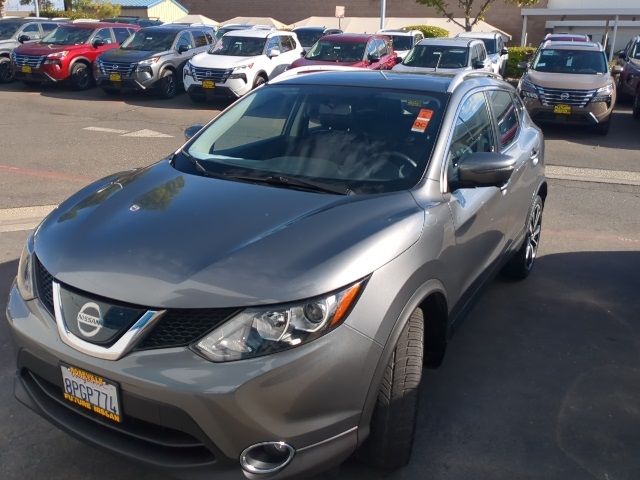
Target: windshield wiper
x=199 y=167
x=283 y=181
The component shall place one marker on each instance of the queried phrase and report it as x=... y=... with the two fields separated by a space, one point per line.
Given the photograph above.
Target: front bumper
x=591 y=114
x=231 y=88
x=136 y=81
x=53 y=73
x=184 y=413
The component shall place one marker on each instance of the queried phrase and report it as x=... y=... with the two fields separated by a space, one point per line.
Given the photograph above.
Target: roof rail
x=462 y=76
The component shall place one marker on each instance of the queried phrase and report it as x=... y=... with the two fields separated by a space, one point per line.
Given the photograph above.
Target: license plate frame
x=562 y=109
x=26 y=69
x=95 y=387
x=208 y=84
x=115 y=77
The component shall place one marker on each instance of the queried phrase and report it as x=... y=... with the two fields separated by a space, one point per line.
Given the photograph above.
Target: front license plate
x=115 y=77
x=26 y=69
x=91 y=392
x=562 y=109
x=208 y=84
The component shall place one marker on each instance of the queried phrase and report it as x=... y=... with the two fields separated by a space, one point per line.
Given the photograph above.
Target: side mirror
x=372 y=57
x=478 y=64
x=183 y=48
x=191 y=131
x=274 y=52
x=485 y=170
x=523 y=65
x=24 y=38
x=303 y=53
x=504 y=51
x=97 y=43
x=616 y=70
x=397 y=60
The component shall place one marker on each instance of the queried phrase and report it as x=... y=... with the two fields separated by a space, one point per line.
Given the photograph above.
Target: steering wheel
x=402 y=157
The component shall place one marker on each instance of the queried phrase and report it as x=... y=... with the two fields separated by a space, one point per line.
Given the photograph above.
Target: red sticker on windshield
x=421 y=123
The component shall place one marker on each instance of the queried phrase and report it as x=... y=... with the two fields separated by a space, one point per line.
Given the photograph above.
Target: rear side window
x=209 y=37
x=199 y=39
x=121 y=34
x=506 y=117
x=287 y=43
x=49 y=27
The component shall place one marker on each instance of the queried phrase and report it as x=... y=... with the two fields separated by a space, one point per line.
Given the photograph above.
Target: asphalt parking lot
x=541 y=380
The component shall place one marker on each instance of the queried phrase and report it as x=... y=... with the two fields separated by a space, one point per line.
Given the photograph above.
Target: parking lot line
x=593 y=175
x=22 y=218
x=147 y=134
x=106 y=130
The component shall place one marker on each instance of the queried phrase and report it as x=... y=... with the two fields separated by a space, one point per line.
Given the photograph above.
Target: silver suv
x=152 y=58
x=16 y=31
x=263 y=300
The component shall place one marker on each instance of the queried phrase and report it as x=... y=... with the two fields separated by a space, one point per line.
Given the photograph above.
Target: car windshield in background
x=331 y=51
x=152 y=41
x=491 y=45
x=8 y=29
x=309 y=37
x=570 y=61
x=402 y=42
x=432 y=56
x=239 y=46
x=68 y=36
x=349 y=139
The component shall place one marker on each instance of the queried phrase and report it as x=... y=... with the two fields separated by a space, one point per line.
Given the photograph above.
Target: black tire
x=110 y=91
x=260 y=80
x=636 y=105
x=167 y=85
x=603 y=127
x=393 y=423
x=520 y=265
x=80 y=77
x=195 y=98
x=621 y=95
x=6 y=72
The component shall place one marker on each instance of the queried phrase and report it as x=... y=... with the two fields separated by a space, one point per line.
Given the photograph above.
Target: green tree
x=473 y=10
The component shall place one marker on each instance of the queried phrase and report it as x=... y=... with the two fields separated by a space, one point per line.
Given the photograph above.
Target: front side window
x=506 y=115
x=472 y=133
x=67 y=35
x=236 y=46
x=336 y=51
x=32 y=30
x=273 y=42
x=435 y=56
x=381 y=48
x=584 y=62
x=355 y=139
x=104 y=34
x=184 y=41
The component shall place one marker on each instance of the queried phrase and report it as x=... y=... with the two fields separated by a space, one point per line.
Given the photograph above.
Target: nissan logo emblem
x=114 y=67
x=564 y=96
x=209 y=74
x=89 y=319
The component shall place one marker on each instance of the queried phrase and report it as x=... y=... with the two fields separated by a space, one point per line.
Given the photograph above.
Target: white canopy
x=272 y=22
x=196 y=19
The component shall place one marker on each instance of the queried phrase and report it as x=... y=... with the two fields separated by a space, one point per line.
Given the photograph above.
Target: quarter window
x=472 y=133
x=506 y=115
x=199 y=39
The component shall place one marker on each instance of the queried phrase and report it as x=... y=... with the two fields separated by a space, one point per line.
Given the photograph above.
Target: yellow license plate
x=91 y=392
x=115 y=77
x=26 y=69
x=208 y=84
x=562 y=109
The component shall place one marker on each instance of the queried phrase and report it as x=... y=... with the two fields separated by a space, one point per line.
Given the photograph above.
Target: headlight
x=264 y=330
x=527 y=88
x=239 y=72
x=603 y=94
x=242 y=68
x=24 y=279
x=188 y=70
x=56 y=57
x=148 y=62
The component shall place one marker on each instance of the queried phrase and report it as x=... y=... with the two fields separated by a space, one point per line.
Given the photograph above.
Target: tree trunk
x=67 y=5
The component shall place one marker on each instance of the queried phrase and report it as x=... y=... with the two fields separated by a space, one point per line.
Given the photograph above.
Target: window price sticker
x=421 y=123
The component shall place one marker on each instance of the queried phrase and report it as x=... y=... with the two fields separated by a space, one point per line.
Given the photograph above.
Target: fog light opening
x=266 y=457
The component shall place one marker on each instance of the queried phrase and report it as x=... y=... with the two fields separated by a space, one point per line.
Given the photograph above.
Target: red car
x=68 y=53
x=354 y=50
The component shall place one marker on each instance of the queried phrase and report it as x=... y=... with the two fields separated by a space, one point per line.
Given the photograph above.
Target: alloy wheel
x=533 y=235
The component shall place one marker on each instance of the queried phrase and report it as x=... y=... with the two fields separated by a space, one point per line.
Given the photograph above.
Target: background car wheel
x=393 y=423
x=195 y=98
x=636 y=105
x=168 y=85
x=80 y=76
x=6 y=73
x=521 y=264
x=603 y=127
x=260 y=80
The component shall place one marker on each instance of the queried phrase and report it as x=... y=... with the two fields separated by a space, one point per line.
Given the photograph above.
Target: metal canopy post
x=383 y=13
x=605 y=35
x=523 y=37
x=613 y=39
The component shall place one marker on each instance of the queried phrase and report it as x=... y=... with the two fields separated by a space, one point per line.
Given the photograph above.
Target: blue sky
x=12 y=5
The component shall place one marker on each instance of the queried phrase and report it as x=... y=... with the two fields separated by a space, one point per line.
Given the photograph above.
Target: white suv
x=494 y=42
x=241 y=61
x=402 y=40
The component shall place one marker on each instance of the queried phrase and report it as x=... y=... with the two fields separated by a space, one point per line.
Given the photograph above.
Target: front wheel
x=167 y=85
x=521 y=264
x=393 y=423
x=6 y=72
x=260 y=80
x=80 y=76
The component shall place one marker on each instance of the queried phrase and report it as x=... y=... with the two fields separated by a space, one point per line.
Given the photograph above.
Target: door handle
x=535 y=156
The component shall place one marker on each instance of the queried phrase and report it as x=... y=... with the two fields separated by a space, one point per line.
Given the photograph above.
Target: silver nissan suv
x=262 y=301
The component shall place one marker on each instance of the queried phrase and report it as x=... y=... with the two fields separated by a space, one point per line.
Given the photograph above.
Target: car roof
x=397 y=33
x=352 y=37
x=449 y=42
x=479 y=35
x=171 y=26
x=255 y=33
x=310 y=29
x=588 y=46
x=94 y=25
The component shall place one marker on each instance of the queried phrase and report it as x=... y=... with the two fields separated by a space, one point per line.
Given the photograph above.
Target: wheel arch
x=542 y=191
x=77 y=60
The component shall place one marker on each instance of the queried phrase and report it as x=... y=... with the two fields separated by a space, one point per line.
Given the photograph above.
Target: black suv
x=629 y=79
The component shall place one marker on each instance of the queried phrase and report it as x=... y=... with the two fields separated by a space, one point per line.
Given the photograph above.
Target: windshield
x=68 y=36
x=432 y=56
x=150 y=41
x=239 y=46
x=332 y=51
x=570 y=61
x=402 y=42
x=224 y=30
x=356 y=139
x=8 y=29
x=309 y=37
x=491 y=45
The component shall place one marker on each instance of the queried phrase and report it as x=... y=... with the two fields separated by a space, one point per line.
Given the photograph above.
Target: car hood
x=207 y=60
x=159 y=237
x=128 y=56
x=568 y=81
x=46 y=49
x=303 y=62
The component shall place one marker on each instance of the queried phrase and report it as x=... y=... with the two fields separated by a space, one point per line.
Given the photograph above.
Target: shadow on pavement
x=541 y=381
